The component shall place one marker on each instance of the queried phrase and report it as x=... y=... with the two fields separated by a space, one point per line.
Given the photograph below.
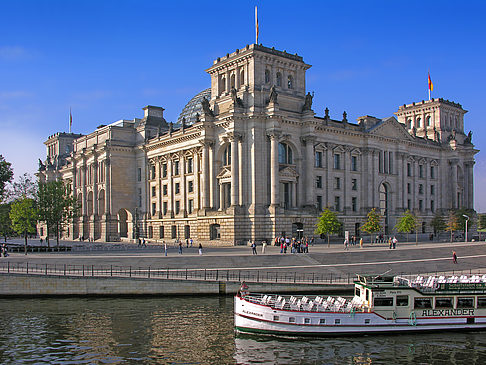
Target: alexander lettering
x=447 y=312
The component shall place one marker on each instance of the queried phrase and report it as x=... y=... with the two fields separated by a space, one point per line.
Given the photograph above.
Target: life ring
x=413 y=319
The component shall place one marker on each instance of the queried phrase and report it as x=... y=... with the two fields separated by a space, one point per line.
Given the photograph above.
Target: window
x=443 y=303
x=481 y=302
x=177 y=188
x=465 y=302
x=418 y=122
x=291 y=319
x=152 y=171
x=267 y=76
x=139 y=174
x=214 y=232
x=337 y=183
x=354 y=184
x=422 y=303
x=177 y=207
x=190 y=186
x=409 y=169
x=432 y=172
x=290 y=82
x=318 y=159
x=421 y=205
x=420 y=189
x=189 y=166
x=409 y=188
x=176 y=167
x=383 y=302
x=173 y=231
x=354 y=204
x=432 y=189
x=164 y=189
x=427 y=121
x=322 y=321
x=432 y=206
x=354 y=163
x=307 y=321
x=284 y=154
x=337 y=321
x=190 y=206
x=337 y=203
x=222 y=84
x=154 y=208
x=232 y=81
x=402 y=300
x=409 y=204
x=421 y=171
x=367 y=320
x=319 y=182
x=150 y=232
x=319 y=203
x=153 y=191
x=409 y=124
x=165 y=208
x=164 y=170
x=161 y=232
x=337 y=161
x=187 y=231
x=279 y=79
x=227 y=156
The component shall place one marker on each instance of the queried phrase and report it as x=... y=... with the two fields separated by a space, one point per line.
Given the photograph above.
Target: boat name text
x=447 y=312
x=253 y=313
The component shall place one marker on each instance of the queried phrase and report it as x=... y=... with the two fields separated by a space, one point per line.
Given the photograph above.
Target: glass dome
x=193 y=107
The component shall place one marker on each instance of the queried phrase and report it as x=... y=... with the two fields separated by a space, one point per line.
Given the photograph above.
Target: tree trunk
x=25 y=243
x=47 y=237
x=328 y=243
x=57 y=235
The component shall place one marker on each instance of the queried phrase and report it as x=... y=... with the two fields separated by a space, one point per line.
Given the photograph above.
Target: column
x=107 y=187
x=159 y=187
x=454 y=202
x=241 y=200
x=212 y=179
x=309 y=170
x=205 y=176
x=197 y=192
x=183 y=186
x=170 y=195
x=95 y=187
x=274 y=181
x=234 y=170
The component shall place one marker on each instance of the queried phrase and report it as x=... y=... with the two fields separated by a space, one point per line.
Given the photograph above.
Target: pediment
x=391 y=128
x=224 y=173
x=288 y=172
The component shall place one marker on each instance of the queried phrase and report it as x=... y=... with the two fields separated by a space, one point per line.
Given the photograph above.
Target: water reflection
x=194 y=331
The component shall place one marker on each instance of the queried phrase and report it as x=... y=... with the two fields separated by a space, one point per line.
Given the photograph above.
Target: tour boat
x=381 y=304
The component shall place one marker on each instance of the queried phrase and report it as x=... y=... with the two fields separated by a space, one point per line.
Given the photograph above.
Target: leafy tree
x=481 y=224
x=407 y=223
x=373 y=223
x=438 y=223
x=6 y=175
x=24 y=217
x=5 y=222
x=56 y=205
x=328 y=224
x=452 y=224
x=460 y=213
x=25 y=186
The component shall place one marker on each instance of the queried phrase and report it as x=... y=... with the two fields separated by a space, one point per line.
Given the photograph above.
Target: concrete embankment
x=14 y=285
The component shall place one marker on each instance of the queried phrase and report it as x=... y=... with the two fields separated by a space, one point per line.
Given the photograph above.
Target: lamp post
x=467 y=219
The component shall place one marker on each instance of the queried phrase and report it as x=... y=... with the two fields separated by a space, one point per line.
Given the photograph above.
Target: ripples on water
x=194 y=331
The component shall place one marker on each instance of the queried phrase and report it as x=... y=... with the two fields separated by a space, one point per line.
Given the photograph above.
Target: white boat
x=381 y=304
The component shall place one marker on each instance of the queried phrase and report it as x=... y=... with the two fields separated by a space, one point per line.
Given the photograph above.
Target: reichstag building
x=249 y=158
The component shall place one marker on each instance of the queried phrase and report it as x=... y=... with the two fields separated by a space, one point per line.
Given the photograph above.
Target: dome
x=193 y=107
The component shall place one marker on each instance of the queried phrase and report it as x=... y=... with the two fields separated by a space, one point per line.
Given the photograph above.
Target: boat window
x=443 y=303
x=383 y=302
x=402 y=300
x=422 y=303
x=465 y=302
x=368 y=292
x=357 y=291
x=481 y=302
x=276 y=318
x=367 y=321
x=322 y=321
x=292 y=319
x=337 y=321
x=307 y=320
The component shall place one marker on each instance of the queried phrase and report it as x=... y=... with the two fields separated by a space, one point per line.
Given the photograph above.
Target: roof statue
x=206 y=108
x=307 y=102
x=273 y=95
x=236 y=100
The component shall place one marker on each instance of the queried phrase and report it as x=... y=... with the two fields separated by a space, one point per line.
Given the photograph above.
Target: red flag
x=431 y=85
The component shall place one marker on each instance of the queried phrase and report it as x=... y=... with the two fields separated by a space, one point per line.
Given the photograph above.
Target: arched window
x=409 y=124
x=233 y=81
x=418 y=122
x=428 y=121
x=222 y=85
x=227 y=156
x=284 y=154
x=242 y=77
x=279 y=79
x=290 y=82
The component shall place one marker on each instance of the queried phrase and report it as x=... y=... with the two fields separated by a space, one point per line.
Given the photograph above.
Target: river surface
x=199 y=330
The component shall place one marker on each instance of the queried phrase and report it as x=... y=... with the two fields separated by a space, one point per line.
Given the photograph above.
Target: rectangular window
x=337 y=161
x=402 y=300
x=443 y=302
x=420 y=189
x=322 y=321
x=319 y=203
x=189 y=166
x=337 y=203
x=176 y=167
x=139 y=197
x=319 y=182
x=164 y=170
x=481 y=302
x=432 y=189
x=409 y=204
x=153 y=191
x=190 y=186
x=354 y=204
x=165 y=208
x=318 y=159
x=432 y=206
x=409 y=188
x=380 y=162
x=421 y=205
x=354 y=163
x=337 y=321
x=409 y=169
x=292 y=319
x=432 y=172
x=421 y=171
x=164 y=189
x=161 y=232
x=152 y=172
x=154 y=208
x=276 y=318
x=177 y=188
x=177 y=207
x=174 y=232
x=139 y=174
x=465 y=302
x=190 y=206
x=422 y=303
x=307 y=321
x=337 y=183
x=367 y=321
x=354 y=184
x=383 y=302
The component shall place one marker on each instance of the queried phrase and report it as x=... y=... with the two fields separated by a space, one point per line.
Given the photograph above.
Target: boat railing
x=308 y=304
x=432 y=283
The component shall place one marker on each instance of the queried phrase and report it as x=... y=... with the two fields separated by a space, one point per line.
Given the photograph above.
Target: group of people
x=293 y=244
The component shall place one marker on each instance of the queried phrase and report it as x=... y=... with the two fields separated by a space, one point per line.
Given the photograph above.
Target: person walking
x=454 y=257
x=200 y=249
x=264 y=244
x=361 y=242
x=191 y=241
x=165 y=247
x=346 y=243
x=180 y=247
x=253 y=248
x=394 y=242
x=390 y=243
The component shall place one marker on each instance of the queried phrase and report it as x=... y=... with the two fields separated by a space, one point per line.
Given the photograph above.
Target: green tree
x=373 y=223
x=407 y=223
x=452 y=224
x=23 y=214
x=328 y=224
x=5 y=222
x=438 y=223
x=481 y=224
x=6 y=175
x=460 y=213
x=56 y=206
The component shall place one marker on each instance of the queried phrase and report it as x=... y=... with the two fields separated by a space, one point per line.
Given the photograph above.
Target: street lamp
x=467 y=219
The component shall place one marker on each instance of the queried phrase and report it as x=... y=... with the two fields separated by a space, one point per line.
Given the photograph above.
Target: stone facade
x=257 y=162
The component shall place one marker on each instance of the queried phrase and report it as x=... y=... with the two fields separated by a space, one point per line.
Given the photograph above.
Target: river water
x=199 y=330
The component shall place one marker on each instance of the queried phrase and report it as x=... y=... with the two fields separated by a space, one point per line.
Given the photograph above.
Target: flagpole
x=256 y=24
x=70 y=119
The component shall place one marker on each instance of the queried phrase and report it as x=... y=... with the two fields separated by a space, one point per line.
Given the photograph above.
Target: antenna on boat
x=386 y=272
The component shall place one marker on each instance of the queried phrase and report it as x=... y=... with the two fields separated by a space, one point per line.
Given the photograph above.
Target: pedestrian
x=454 y=257
x=253 y=248
x=390 y=243
x=306 y=249
x=361 y=242
x=165 y=247
x=5 y=250
x=191 y=241
x=200 y=249
x=394 y=242
x=264 y=244
x=187 y=243
x=180 y=247
x=346 y=243
x=281 y=247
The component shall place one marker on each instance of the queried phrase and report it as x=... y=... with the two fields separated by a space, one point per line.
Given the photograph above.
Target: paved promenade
x=377 y=258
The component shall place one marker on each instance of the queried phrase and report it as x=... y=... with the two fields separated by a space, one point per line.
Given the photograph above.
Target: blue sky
x=108 y=59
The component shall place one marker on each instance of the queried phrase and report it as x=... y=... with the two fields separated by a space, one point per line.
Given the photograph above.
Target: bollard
x=111 y=270
x=186 y=273
x=148 y=273
x=46 y=269
x=258 y=276
x=217 y=275
x=295 y=276
x=130 y=271
x=27 y=268
x=64 y=269
x=83 y=270
x=167 y=273
x=204 y=274
x=92 y=270
x=8 y=267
